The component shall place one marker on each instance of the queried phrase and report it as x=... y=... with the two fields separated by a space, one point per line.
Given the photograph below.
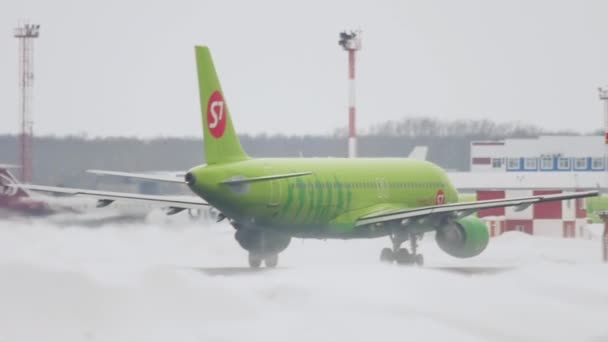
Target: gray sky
x=127 y=67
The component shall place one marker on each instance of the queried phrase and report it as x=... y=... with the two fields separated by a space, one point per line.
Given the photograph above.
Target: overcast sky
x=127 y=67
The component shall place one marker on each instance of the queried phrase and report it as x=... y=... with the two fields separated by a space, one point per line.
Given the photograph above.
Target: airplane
x=15 y=200
x=270 y=201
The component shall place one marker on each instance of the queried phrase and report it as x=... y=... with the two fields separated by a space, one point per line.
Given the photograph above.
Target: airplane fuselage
x=327 y=202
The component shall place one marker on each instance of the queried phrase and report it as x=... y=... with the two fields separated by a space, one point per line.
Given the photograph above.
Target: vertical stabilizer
x=221 y=142
x=8 y=191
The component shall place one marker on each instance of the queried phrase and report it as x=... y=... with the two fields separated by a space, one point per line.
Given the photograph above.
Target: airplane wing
x=177 y=177
x=459 y=210
x=105 y=198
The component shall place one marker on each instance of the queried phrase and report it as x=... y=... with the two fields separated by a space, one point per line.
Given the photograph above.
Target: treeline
x=62 y=160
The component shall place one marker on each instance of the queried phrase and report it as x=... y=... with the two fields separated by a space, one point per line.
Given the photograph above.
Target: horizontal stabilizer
x=172 y=178
x=265 y=178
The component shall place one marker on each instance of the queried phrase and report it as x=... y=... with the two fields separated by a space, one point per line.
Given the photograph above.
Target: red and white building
x=558 y=219
x=530 y=167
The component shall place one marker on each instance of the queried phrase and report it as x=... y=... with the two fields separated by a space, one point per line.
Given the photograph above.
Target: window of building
x=546 y=163
x=497 y=163
x=530 y=164
x=513 y=163
x=563 y=163
x=597 y=163
x=580 y=163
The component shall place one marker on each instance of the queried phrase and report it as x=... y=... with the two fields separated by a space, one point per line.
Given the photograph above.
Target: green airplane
x=270 y=201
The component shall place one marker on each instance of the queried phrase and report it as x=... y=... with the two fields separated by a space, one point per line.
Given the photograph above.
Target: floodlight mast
x=351 y=42
x=26 y=33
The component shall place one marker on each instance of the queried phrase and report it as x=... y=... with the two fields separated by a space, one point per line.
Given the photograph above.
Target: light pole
x=351 y=42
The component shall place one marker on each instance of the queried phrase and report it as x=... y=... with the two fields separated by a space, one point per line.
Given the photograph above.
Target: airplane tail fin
x=419 y=153
x=222 y=145
x=8 y=191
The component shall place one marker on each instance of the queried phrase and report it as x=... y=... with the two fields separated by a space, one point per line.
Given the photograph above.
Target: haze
x=108 y=68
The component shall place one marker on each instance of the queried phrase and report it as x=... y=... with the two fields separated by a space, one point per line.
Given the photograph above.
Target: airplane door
x=274 y=186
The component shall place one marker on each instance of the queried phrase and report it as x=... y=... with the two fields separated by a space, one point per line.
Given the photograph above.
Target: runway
x=186 y=282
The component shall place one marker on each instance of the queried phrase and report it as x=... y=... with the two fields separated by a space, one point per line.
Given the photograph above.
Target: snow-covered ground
x=159 y=282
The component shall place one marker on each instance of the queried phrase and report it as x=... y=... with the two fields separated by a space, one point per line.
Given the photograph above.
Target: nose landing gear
x=402 y=256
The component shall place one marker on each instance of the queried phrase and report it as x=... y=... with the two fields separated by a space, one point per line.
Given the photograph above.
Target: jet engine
x=465 y=238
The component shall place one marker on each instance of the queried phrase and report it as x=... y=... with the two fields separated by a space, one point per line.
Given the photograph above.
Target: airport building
x=542 y=154
x=536 y=166
x=566 y=219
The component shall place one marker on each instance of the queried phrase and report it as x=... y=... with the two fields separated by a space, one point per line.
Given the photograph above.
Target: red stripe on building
x=525 y=226
x=581 y=208
x=488 y=143
x=496 y=227
x=490 y=195
x=569 y=229
x=482 y=161
x=548 y=210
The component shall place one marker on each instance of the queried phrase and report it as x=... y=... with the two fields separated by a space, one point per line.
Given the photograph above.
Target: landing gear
x=263 y=246
x=386 y=255
x=255 y=260
x=272 y=261
x=402 y=256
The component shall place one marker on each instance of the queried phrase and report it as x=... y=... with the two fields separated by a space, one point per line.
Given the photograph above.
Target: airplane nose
x=190 y=178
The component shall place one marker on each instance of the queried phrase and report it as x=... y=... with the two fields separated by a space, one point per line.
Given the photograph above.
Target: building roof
x=568 y=146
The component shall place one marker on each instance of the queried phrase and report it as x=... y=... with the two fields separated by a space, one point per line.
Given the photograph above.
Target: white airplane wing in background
x=419 y=153
x=174 y=204
x=177 y=177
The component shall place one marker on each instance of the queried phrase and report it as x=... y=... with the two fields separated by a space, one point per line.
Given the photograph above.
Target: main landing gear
x=402 y=256
x=263 y=246
x=255 y=260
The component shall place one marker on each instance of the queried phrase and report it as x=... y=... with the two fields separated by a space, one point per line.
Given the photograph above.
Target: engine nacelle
x=465 y=238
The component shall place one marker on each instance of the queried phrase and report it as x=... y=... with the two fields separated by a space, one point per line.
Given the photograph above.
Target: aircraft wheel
x=419 y=259
x=387 y=255
x=254 y=261
x=272 y=261
x=403 y=257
